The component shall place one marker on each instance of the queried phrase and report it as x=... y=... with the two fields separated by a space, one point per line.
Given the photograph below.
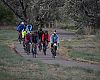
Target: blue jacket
x=29 y=27
x=52 y=38
x=20 y=27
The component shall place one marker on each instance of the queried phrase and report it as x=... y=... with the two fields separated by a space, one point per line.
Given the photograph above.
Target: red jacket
x=27 y=38
x=45 y=37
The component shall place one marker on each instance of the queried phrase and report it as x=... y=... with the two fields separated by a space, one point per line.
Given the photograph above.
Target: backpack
x=55 y=37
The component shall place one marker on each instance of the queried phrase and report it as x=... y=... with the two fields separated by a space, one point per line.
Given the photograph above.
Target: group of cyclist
x=37 y=39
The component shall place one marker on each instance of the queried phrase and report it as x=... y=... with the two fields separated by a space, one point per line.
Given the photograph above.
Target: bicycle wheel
x=20 y=38
x=28 y=48
x=44 y=50
x=40 y=47
x=34 y=50
x=53 y=52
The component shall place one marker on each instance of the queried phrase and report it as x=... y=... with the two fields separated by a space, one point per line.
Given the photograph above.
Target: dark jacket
x=40 y=33
x=34 y=38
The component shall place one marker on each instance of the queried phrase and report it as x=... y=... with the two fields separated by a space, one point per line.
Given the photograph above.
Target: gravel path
x=58 y=60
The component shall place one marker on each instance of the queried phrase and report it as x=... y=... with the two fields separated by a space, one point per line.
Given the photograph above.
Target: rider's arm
x=31 y=27
x=42 y=37
x=51 y=41
x=27 y=28
x=37 y=39
x=58 y=41
x=48 y=38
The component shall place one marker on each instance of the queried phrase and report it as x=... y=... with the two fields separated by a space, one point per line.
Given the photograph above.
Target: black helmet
x=40 y=29
x=46 y=31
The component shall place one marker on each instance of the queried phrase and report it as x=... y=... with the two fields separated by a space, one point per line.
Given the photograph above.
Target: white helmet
x=54 y=32
x=28 y=32
x=22 y=22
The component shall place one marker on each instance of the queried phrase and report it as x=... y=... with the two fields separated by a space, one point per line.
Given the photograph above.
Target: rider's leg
x=51 y=46
x=44 y=48
x=35 y=49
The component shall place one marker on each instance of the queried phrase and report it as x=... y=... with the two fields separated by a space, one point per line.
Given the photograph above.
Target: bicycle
x=44 y=47
x=27 y=48
x=40 y=46
x=54 y=49
x=20 y=37
x=34 y=50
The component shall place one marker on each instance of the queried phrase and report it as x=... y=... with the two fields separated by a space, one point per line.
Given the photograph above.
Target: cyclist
x=34 y=40
x=45 y=41
x=45 y=37
x=20 y=27
x=29 y=27
x=54 y=38
x=40 y=33
x=34 y=37
x=23 y=36
x=27 y=42
x=24 y=33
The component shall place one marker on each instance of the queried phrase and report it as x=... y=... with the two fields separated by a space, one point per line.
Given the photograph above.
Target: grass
x=86 y=49
x=98 y=36
x=15 y=67
x=85 y=55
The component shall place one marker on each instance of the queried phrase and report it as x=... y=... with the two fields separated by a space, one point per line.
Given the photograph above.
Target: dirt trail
x=58 y=60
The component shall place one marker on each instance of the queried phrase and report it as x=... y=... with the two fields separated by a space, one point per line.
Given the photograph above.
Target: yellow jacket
x=23 y=34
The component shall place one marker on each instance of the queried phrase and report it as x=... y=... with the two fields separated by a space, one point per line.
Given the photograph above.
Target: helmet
x=54 y=32
x=40 y=29
x=22 y=23
x=28 y=32
x=46 y=31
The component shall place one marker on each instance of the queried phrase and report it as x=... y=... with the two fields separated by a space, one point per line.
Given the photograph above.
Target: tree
x=30 y=10
x=6 y=15
x=85 y=13
x=19 y=7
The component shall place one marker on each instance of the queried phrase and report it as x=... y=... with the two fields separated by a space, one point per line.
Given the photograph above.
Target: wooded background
x=75 y=14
